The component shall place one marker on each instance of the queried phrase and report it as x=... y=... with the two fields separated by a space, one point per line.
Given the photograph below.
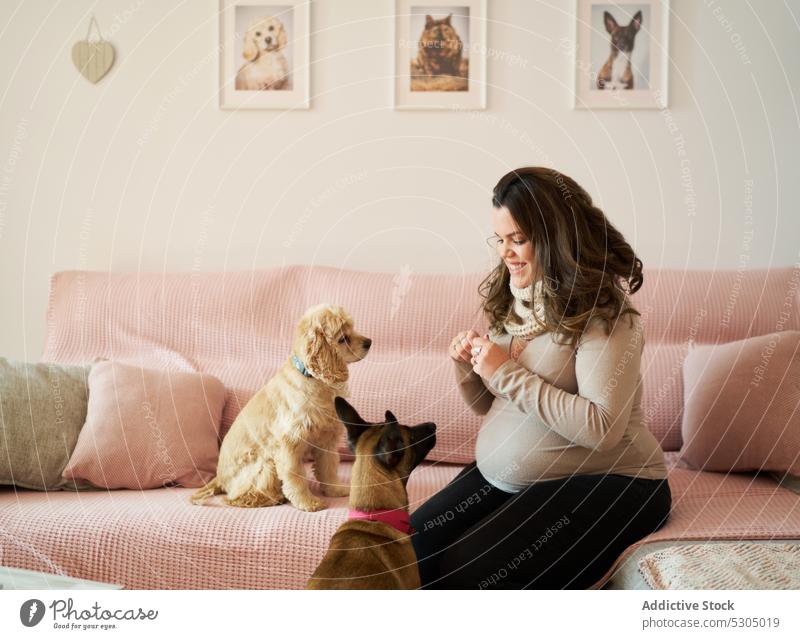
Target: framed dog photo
x=621 y=54
x=440 y=54
x=264 y=54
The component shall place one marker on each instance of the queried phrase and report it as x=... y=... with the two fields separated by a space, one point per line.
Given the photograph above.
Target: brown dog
x=617 y=73
x=372 y=550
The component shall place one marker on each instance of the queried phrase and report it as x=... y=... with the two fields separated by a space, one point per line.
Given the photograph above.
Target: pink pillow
x=742 y=405
x=147 y=428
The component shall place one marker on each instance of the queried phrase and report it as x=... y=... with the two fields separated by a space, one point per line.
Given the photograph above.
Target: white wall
x=143 y=171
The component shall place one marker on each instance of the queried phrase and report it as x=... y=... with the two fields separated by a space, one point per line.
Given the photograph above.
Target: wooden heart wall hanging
x=93 y=58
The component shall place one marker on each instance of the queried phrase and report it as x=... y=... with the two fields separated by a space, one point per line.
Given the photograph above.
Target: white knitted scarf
x=528 y=328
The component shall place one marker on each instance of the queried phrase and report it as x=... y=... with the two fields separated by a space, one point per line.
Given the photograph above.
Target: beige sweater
x=561 y=410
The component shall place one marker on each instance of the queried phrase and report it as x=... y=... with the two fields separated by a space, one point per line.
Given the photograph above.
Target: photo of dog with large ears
x=372 y=549
x=261 y=457
x=617 y=72
x=266 y=67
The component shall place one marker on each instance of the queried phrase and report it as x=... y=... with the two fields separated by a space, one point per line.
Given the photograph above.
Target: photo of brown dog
x=261 y=457
x=372 y=549
x=617 y=72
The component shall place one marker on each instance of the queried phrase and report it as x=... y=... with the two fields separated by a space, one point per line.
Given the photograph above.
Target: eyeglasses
x=493 y=241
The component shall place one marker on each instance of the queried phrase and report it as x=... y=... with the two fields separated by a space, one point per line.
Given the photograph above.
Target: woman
x=566 y=474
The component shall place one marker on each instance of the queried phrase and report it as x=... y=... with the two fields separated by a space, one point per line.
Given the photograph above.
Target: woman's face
x=513 y=247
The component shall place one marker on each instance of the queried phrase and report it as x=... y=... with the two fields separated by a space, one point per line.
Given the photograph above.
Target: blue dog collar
x=299 y=366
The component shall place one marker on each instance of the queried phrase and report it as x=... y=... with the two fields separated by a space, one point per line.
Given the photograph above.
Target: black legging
x=562 y=533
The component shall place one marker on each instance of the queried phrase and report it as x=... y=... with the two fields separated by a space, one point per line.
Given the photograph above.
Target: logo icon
x=31 y=612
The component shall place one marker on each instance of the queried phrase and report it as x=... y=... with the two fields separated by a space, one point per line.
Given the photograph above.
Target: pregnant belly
x=517 y=449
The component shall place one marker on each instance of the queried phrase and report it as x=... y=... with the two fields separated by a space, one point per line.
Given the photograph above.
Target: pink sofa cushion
x=147 y=428
x=742 y=409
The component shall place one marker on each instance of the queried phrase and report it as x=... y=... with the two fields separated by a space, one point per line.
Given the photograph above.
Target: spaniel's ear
x=322 y=361
x=250 y=51
x=282 y=38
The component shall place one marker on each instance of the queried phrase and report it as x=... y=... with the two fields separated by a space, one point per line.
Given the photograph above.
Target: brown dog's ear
x=428 y=21
x=347 y=413
x=390 y=417
x=611 y=24
x=447 y=19
x=352 y=421
x=250 y=51
x=390 y=448
x=637 y=20
x=323 y=362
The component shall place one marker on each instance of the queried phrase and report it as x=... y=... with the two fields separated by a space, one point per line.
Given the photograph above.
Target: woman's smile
x=520 y=273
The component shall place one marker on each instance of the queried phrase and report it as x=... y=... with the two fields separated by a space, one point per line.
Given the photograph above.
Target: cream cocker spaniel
x=266 y=67
x=261 y=457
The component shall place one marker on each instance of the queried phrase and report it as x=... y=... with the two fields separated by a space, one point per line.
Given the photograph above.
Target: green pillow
x=42 y=410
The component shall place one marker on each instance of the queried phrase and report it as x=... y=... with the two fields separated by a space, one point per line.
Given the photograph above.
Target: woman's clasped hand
x=484 y=355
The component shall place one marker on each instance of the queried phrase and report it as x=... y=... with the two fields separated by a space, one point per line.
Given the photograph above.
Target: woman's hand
x=486 y=356
x=461 y=346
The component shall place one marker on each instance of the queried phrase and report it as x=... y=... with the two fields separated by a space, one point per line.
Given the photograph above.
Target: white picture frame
x=257 y=75
x=465 y=88
x=649 y=57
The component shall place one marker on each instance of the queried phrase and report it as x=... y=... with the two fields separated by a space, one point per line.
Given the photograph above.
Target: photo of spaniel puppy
x=266 y=67
x=261 y=457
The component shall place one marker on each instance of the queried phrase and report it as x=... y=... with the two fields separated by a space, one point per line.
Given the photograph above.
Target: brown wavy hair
x=585 y=263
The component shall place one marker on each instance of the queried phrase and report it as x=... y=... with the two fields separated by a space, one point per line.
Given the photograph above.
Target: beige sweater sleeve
x=607 y=371
x=472 y=388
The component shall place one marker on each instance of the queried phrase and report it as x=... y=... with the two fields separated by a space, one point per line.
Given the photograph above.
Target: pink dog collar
x=397 y=518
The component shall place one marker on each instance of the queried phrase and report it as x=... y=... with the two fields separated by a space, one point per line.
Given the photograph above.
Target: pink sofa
x=238 y=326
